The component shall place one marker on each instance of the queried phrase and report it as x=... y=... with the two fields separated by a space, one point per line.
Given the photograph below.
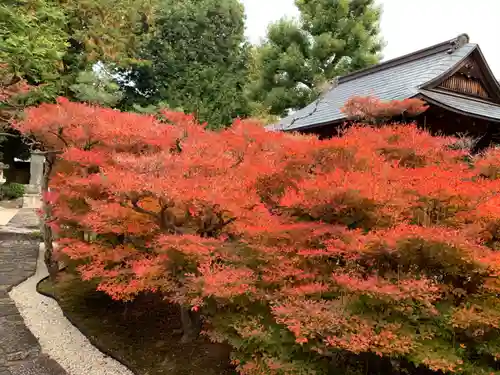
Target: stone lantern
x=32 y=195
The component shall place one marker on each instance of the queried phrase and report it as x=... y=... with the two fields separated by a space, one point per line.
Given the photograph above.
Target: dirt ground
x=140 y=334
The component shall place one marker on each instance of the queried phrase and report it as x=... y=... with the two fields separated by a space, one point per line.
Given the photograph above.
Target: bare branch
x=228 y=221
x=139 y=209
x=5 y=119
x=60 y=137
x=211 y=228
x=167 y=218
x=51 y=152
x=164 y=218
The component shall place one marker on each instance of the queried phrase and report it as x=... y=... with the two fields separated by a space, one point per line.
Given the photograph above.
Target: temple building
x=453 y=77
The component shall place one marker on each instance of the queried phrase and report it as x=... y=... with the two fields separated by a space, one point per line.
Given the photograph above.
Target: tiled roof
x=400 y=78
x=458 y=103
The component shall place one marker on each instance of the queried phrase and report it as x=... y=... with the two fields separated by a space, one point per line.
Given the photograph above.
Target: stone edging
x=19 y=234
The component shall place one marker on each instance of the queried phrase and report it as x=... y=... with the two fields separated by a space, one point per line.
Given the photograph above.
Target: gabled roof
x=463 y=105
x=400 y=78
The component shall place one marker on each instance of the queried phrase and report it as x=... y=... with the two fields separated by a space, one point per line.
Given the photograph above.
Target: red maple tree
x=298 y=252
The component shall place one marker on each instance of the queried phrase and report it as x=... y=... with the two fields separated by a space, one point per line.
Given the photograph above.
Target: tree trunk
x=52 y=265
x=191 y=324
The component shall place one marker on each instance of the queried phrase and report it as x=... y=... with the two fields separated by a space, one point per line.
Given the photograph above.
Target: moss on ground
x=140 y=334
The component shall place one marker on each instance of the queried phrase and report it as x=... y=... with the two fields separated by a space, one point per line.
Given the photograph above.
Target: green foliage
x=298 y=59
x=197 y=60
x=11 y=190
x=262 y=114
x=52 y=45
x=149 y=109
x=97 y=88
x=110 y=31
x=37 y=235
x=152 y=109
x=32 y=38
x=51 y=41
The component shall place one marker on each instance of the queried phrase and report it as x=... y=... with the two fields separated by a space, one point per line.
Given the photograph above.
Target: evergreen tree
x=299 y=58
x=50 y=42
x=197 y=61
x=53 y=45
x=32 y=40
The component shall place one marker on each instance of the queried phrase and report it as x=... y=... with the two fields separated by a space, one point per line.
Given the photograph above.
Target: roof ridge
x=449 y=46
x=437 y=75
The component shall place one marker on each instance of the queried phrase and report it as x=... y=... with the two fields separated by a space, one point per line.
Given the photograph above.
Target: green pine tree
x=198 y=61
x=299 y=58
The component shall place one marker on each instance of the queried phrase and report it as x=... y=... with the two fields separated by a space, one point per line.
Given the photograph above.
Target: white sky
x=408 y=25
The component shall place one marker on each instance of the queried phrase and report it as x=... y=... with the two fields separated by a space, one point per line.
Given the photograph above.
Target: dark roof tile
x=400 y=78
x=461 y=104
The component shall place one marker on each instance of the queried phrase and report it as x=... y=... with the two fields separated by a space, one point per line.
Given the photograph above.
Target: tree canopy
x=33 y=39
x=374 y=252
x=49 y=42
x=299 y=58
x=190 y=55
x=53 y=45
x=197 y=61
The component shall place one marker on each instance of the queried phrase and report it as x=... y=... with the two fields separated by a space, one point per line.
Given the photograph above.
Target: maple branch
x=164 y=217
x=5 y=118
x=15 y=79
x=239 y=160
x=139 y=209
x=51 y=152
x=58 y=135
x=211 y=228
x=88 y=146
x=167 y=223
x=8 y=135
x=29 y=141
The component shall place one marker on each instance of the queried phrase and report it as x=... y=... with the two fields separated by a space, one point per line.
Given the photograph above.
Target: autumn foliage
x=376 y=252
x=10 y=88
x=373 y=109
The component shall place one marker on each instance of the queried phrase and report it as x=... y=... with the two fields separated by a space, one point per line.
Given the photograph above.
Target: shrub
x=12 y=191
x=371 y=253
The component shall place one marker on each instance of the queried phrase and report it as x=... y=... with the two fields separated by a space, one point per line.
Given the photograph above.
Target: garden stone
x=17 y=356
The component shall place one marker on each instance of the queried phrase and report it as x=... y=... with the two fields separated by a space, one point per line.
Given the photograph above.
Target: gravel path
x=57 y=336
